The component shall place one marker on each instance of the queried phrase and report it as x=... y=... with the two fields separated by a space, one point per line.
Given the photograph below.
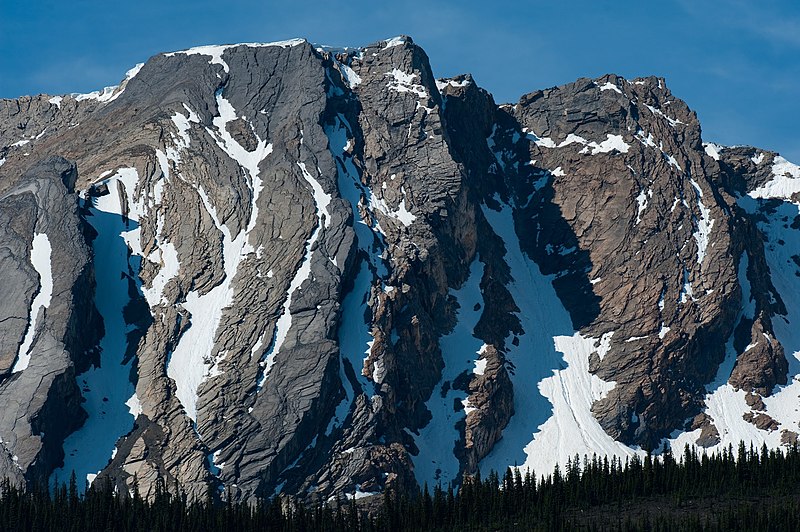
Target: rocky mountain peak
x=293 y=269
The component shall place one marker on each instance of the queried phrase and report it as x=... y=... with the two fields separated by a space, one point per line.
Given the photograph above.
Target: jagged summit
x=287 y=268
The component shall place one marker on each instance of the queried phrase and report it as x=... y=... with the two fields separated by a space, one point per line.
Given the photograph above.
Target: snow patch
x=349 y=75
x=641 y=201
x=480 y=364
x=784 y=184
x=321 y=198
x=608 y=86
x=132 y=73
x=111 y=93
x=56 y=100
x=612 y=143
x=605 y=344
x=545 y=142
x=704 y=224
x=712 y=150
x=404 y=82
x=572 y=138
x=394 y=41
x=358 y=494
x=167 y=256
x=134 y=406
x=687 y=293
x=441 y=84
x=105 y=95
x=402 y=214
x=183 y=124
x=41 y=252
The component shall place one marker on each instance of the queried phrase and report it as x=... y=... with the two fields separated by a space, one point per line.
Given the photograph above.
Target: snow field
x=554 y=390
x=109 y=395
x=194 y=357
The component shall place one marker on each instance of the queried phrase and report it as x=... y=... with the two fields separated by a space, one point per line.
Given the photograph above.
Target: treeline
x=749 y=489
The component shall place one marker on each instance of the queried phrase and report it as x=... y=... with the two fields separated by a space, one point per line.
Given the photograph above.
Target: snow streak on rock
x=641 y=201
x=215 y=51
x=40 y=259
x=321 y=202
x=194 y=357
x=672 y=121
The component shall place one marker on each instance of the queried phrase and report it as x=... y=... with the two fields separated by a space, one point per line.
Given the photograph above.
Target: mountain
x=279 y=268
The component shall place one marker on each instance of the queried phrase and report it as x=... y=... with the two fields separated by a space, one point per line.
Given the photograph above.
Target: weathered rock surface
x=324 y=271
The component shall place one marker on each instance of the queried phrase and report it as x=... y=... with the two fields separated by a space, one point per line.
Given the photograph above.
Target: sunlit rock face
x=277 y=268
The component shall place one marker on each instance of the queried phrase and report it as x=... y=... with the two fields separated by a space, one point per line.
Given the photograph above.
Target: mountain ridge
x=316 y=269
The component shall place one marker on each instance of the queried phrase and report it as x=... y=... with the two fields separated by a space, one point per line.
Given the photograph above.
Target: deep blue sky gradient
x=737 y=63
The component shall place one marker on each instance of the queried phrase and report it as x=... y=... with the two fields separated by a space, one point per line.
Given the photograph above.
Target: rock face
x=264 y=269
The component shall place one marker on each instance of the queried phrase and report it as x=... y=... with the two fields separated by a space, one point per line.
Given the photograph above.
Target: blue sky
x=737 y=63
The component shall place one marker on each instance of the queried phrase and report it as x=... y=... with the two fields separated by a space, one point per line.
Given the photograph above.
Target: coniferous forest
x=743 y=489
